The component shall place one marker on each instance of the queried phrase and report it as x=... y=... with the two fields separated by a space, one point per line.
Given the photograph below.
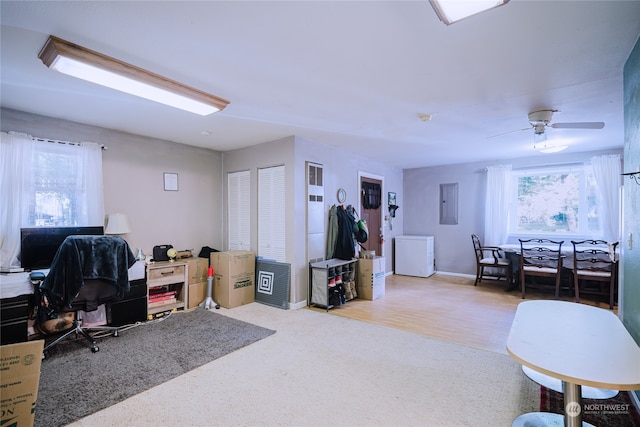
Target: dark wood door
x=371 y=202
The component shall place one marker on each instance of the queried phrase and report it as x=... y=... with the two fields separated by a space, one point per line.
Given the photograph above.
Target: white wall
x=453 y=248
x=133 y=168
x=340 y=171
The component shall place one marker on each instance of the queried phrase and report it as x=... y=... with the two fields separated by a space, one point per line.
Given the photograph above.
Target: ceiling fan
x=541 y=119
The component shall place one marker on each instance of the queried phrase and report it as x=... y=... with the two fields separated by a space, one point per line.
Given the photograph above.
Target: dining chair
x=491 y=257
x=540 y=258
x=595 y=267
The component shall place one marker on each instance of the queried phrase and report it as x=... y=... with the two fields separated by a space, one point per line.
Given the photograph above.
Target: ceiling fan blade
x=580 y=125
x=507 y=133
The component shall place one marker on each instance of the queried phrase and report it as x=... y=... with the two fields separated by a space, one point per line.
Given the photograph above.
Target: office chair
x=86 y=272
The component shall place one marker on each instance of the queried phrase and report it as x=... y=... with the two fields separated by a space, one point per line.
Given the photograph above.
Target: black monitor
x=40 y=244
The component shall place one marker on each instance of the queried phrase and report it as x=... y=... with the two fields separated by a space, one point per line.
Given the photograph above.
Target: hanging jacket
x=345 y=246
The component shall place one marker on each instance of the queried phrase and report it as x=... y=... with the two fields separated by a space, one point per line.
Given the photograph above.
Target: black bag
x=206 y=251
x=160 y=252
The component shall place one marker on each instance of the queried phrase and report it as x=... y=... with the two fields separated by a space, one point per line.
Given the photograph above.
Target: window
x=47 y=183
x=62 y=190
x=555 y=201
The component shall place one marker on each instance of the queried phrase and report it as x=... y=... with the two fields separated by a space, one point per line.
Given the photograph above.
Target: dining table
x=579 y=344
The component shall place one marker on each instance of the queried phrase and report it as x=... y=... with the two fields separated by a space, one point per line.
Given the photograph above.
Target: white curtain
x=606 y=171
x=497 y=205
x=30 y=166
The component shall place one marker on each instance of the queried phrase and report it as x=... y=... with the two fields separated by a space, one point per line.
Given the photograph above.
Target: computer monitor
x=40 y=244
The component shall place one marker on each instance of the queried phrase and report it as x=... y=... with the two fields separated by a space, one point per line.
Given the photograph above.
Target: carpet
x=618 y=411
x=74 y=382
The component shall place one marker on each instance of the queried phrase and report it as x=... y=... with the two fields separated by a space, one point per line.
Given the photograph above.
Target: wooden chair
x=540 y=258
x=595 y=262
x=490 y=257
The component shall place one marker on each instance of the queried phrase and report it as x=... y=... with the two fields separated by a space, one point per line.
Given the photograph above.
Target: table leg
x=572 y=404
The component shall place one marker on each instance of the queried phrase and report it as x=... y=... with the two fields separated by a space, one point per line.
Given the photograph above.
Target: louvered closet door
x=238 y=190
x=271 y=213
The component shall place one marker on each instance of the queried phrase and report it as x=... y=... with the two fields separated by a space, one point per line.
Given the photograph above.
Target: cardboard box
x=197 y=269
x=370 y=283
x=234 y=282
x=20 y=376
x=197 y=294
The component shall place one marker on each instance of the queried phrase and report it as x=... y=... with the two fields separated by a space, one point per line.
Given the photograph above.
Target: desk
x=15 y=296
x=578 y=344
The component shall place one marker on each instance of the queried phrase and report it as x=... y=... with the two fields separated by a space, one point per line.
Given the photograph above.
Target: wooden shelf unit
x=167 y=278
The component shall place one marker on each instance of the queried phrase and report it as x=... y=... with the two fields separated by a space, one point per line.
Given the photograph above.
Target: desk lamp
x=118 y=224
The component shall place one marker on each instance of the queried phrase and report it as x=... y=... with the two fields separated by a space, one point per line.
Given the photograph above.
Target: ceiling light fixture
x=540 y=144
x=450 y=11
x=86 y=64
x=550 y=148
x=539 y=135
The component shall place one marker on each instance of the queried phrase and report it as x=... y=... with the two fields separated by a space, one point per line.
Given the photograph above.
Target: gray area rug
x=75 y=382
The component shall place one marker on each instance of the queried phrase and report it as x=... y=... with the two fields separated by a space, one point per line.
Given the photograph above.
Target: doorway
x=371 y=202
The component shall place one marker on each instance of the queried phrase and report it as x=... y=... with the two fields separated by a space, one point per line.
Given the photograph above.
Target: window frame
x=583 y=232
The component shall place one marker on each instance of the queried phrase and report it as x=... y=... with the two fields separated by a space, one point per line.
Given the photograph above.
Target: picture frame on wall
x=391 y=197
x=170 y=181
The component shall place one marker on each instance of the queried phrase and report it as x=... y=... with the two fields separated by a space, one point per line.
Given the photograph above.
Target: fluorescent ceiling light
x=450 y=11
x=86 y=64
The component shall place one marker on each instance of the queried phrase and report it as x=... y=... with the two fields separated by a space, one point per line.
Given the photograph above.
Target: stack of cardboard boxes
x=234 y=283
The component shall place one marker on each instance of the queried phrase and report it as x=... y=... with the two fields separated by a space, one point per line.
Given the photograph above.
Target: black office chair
x=87 y=272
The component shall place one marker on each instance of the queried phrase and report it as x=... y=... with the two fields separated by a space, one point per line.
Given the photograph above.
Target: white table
x=578 y=344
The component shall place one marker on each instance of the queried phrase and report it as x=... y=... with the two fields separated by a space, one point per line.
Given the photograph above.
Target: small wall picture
x=170 y=181
x=392 y=198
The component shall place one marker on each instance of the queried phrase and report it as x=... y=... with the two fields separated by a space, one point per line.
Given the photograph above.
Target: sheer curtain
x=33 y=171
x=606 y=171
x=497 y=205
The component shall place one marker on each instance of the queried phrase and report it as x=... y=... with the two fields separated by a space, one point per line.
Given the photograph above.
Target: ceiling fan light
x=85 y=64
x=539 y=136
x=450 y=11
x=549 y=148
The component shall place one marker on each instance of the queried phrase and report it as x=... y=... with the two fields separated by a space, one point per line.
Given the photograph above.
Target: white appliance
x=414 y=256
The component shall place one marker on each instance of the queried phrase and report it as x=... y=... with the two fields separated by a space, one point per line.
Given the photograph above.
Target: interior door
x=371 y=203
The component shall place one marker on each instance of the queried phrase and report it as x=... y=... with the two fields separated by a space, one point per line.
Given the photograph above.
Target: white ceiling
x=351 y=74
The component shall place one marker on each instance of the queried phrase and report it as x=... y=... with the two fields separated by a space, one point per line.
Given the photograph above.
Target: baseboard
x=447 y=273
x=297 y=305
x=444 y=273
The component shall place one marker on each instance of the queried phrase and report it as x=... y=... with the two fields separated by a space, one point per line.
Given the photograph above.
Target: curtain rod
x=56 y=141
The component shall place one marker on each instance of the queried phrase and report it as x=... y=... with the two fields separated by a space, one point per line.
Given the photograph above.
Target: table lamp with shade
x=118 y=224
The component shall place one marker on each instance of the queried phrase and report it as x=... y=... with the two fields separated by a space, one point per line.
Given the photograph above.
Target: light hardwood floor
x=448 y=308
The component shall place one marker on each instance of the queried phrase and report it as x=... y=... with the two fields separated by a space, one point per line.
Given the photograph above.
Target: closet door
x=238 y=190
x=271 y=213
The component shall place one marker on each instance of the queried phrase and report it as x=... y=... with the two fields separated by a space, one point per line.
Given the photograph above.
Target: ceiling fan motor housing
x=542 y=117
